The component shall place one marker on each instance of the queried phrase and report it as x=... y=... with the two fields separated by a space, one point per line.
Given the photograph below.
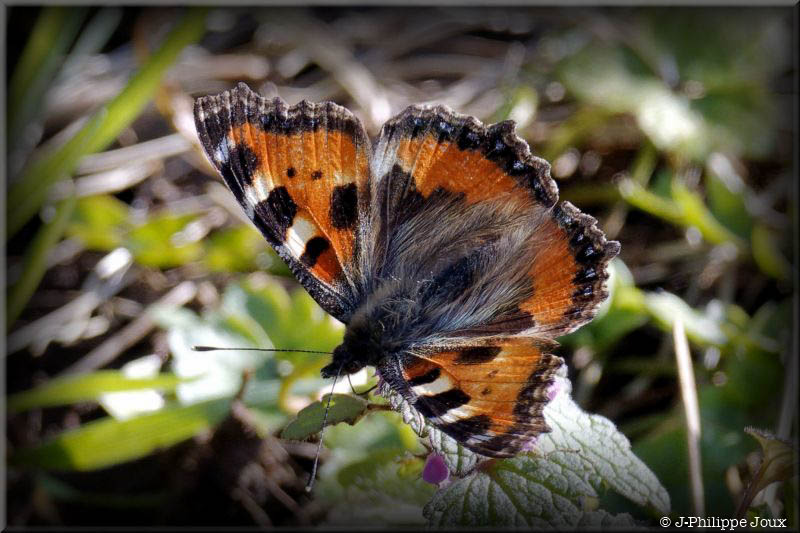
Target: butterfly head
x=360 y=347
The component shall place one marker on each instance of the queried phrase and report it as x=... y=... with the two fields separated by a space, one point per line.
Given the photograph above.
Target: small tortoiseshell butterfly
x=440 y=246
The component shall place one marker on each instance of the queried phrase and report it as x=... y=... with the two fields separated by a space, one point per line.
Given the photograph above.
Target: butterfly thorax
x=389 y=322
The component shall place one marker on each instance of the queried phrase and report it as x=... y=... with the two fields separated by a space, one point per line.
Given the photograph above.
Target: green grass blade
x=35 y=261
x=71 y=389
x=95 y=35
x=42 y=57
x=107 y=442
x=28 y=194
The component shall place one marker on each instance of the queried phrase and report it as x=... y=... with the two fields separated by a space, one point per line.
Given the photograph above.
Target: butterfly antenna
x=213 y=348
x=313 y=476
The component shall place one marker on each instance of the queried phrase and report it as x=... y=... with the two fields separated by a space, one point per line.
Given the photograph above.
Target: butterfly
x=441 y=247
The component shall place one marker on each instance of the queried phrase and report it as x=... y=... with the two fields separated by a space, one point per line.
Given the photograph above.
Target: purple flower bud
x=435 y=470
x=529 y=445
x=552 y=392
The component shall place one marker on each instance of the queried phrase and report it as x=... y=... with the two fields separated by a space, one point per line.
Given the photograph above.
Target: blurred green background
x=674 y=127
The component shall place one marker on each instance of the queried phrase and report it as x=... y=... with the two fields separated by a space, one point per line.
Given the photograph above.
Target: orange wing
x=568 y=272
x=431 y=156
x=489 y=396
x=301 y=174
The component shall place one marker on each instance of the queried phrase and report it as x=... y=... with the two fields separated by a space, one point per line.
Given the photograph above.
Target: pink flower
x=435 y=470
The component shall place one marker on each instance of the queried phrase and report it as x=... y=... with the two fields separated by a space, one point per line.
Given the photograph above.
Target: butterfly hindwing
x=489 y=396
x=301 y=174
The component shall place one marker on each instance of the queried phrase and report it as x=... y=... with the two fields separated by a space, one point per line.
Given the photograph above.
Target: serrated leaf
x=107 y=442
x=524 y=491
x=381 y=492
x=71 y=389
x=590 y=445
x=343 y=408
x=544 y=488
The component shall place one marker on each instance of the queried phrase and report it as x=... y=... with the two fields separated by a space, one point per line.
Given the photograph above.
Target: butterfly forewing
x=301 y=174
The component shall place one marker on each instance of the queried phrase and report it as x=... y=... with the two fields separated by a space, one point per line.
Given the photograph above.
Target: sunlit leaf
x=107 y=442
x=71 y=389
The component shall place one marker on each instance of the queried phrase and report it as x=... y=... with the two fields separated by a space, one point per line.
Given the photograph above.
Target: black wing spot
x=316 y=175
x=464 y=429
x=246 y=160
x=439 y=404
x=428 y=377
x=344 y=206
x=315 y=247
x=278 y=211
x=291 y=172
x=476 y=356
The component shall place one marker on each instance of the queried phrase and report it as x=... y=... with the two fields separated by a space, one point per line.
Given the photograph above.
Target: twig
x=110 y=181
x=132 y=333
x=330 y=54
x=143 y=152
x=103 y=283
x=692 y=410
x=251 y=506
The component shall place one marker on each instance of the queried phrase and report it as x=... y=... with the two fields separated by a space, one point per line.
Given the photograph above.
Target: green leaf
x=159 y=242
x=107 y=442
x=714 y=100
x=235 y=250
x=590 y=445
x=343 y=408
x=726 y=193
x=100 y=222
x=524 y=491
x=381 y=491
x=548 y=487
x=218 y=373
x=71 y=389
x=378 y=436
